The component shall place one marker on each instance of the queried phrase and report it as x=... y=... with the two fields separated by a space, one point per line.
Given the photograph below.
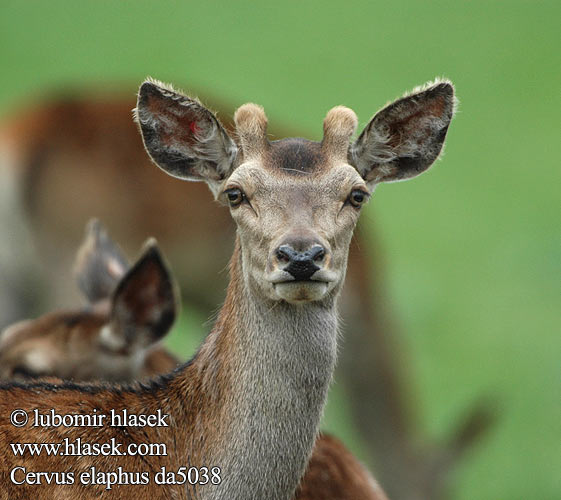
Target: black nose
x=301 y=265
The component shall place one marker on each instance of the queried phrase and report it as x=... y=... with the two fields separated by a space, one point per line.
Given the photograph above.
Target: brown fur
x=295 y=156
x=182 y=396
x=52 y=334
x=333 y=472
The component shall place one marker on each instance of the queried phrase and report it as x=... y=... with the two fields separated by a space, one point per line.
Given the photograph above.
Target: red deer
x=82 y=151
x=250 y=400
x=71 y=345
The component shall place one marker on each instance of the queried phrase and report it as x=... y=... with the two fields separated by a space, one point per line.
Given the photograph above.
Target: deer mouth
x=286 y=287
x=320 y=276
x=301 y=291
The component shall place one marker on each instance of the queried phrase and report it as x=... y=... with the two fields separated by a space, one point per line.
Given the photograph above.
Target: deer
x=135 y=304
x=85 y=139
x=75 y=347
x=250 y=401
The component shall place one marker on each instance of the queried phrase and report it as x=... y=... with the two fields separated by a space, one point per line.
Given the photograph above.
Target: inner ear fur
x=181 y=136
x=406 y=137
x=144 y=305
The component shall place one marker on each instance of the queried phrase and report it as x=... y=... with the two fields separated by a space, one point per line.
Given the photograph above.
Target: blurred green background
x=472 y=251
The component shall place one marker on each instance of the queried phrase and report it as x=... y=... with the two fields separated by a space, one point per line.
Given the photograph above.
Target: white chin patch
x=298 y=292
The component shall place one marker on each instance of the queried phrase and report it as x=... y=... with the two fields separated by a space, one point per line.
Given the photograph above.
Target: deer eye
x=357 y=197
x=235 y=196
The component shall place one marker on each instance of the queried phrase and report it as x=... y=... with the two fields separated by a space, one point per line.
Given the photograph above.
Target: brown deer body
x=250 y=400
x=219 y=411
x=70 y=345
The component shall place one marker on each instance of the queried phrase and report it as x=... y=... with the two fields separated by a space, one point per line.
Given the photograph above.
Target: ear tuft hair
x=405 y=137
x=151 y=245
x=148 y=107
x=440 y=85
x=182 y=137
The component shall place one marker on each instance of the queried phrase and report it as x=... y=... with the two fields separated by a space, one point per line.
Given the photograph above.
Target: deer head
x=295 y=201
x=129 y=310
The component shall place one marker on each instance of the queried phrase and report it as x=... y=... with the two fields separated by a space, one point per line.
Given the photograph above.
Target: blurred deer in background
x=251 y=399
x=72 y=345
x=115 y=337
x=85 y=153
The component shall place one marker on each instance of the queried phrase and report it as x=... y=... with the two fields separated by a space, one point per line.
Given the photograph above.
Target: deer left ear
x=406 y=137
x=144 y=304
x=184 y=139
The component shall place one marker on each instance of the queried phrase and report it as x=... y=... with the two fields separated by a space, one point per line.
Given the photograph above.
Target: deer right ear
x=183 y=137
x=406 y=137
x=99 y=264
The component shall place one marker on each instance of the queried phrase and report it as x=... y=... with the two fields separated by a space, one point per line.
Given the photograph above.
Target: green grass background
x=472 y=249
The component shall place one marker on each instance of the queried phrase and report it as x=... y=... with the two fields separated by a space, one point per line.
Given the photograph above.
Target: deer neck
x=267 y=367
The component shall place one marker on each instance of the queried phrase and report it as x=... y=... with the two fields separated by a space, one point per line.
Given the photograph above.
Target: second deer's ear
x=406 y=137
x=183 y=137
x=99 y=263
x=144 y=304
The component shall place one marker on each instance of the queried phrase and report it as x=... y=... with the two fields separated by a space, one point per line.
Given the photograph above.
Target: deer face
x=295 y=209
x=295 y=202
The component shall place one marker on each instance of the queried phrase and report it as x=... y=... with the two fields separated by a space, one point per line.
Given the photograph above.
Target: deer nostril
x=283 y=255
x=317 y=253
